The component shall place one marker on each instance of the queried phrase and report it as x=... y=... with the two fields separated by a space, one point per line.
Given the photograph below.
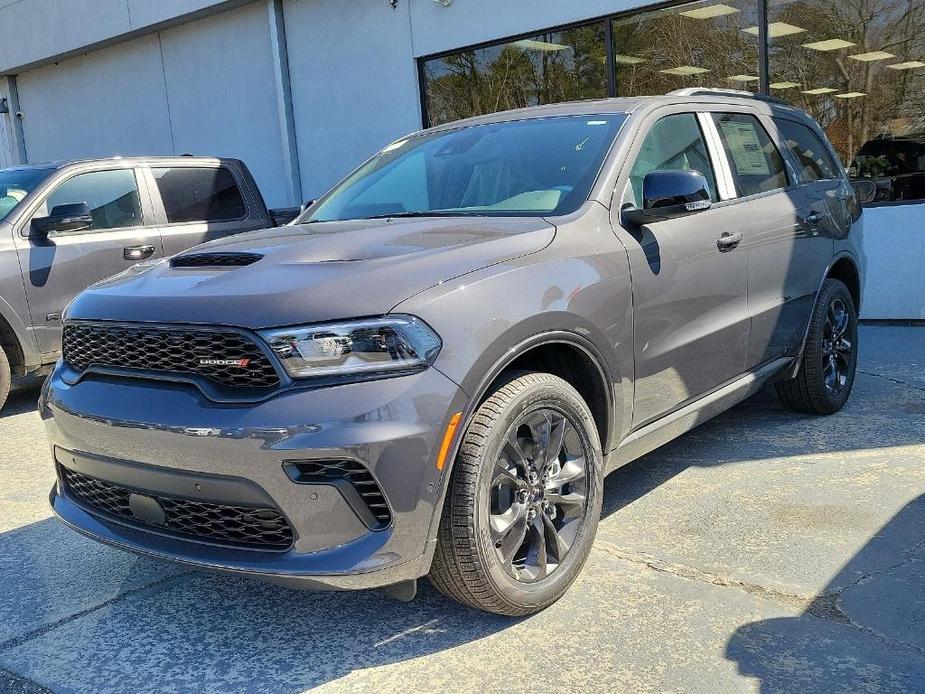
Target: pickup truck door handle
x=811 y=220
x=137 y=252
x=727 y=241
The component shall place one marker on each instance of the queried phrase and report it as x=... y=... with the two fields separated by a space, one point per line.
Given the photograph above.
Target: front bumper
x=167 y=440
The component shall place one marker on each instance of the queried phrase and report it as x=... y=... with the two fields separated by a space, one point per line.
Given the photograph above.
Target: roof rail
x=717 y=91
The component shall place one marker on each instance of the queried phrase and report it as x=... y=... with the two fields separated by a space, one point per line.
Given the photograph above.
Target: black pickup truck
x=65 y=225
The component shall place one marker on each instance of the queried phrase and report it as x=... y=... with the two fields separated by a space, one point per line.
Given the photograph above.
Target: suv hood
x=311 y=273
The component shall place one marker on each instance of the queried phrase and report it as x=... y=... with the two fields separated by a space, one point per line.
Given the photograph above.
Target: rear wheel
x=5 y=377
x=826 y=374
x=524 y=499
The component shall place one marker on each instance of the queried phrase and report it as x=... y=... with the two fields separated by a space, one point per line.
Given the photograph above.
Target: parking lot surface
x=764 y=551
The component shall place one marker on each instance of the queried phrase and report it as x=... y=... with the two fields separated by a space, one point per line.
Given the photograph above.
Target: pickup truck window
x=533 y=167
x=16 y=184
x=193 y=194
x=111 y=195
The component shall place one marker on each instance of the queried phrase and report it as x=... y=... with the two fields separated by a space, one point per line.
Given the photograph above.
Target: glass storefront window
x=543 y=69
x=859 y=69
x=700 y=44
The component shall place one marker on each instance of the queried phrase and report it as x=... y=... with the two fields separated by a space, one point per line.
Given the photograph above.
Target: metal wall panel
x=221 y=94
x=112 y=101
x=354 y=83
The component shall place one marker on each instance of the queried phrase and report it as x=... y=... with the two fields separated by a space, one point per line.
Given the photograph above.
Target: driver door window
x=674 y=142
x=111 y=195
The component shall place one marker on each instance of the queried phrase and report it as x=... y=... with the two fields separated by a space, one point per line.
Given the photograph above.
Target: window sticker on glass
x=745 y=147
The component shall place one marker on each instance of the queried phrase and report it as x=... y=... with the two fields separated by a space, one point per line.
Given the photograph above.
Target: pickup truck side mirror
x=667 y=194
x=73 y=216
x=306 y=205
x=866 y=190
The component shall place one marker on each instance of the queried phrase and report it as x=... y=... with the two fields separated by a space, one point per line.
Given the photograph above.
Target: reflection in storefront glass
x=857 y=67
x=543 y=69
x=698 y=44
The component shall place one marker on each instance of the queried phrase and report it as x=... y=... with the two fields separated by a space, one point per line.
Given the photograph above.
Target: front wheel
x=524 y=499
x=830 y=357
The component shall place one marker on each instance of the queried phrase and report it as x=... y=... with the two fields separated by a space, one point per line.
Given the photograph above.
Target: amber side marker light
x=448 y=439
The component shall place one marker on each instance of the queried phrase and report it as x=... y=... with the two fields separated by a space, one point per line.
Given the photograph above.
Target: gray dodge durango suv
x=433 y=370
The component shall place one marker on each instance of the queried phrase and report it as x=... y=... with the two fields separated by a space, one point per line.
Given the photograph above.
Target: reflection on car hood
x=317 y=272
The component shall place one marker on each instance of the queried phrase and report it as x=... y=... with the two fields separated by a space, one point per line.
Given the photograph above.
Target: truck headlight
x=361 y=347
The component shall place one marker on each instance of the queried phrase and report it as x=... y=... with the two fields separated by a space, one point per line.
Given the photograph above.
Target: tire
x=814 y=389
x=6 y=377
x=491 y=485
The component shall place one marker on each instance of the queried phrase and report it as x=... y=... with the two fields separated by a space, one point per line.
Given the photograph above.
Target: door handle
x=727 y=241
x=811 y=220
x=137 y=252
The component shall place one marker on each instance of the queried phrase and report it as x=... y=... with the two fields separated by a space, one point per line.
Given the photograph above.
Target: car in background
x=65 y=225
x=895 y=164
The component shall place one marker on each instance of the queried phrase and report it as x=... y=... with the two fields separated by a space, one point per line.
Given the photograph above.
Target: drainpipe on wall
x=284 y=100
x=12 y=142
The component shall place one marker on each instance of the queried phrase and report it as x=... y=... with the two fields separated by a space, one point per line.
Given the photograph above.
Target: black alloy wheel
x=524 y=497
x=539 y=494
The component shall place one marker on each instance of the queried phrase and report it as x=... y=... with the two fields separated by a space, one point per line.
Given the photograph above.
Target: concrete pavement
x=763 y=551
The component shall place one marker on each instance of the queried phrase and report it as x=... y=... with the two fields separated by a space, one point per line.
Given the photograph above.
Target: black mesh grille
x=228 y=358
x=215 y=260
x=259 y=528
x=354 y=473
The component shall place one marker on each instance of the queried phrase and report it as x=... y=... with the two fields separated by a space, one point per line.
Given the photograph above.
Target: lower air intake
x=236 y=526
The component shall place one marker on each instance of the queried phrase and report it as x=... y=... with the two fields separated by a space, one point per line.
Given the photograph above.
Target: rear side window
x=757 y=166
x=814 y=160
x=674 y=142
x=199 y=194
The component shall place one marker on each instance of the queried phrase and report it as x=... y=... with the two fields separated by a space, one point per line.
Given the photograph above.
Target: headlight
x=393 y=343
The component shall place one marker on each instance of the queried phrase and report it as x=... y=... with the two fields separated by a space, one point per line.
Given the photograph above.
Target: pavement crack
x=803 y=602
x=891 y=379
x=825 y=605
x=16 y=641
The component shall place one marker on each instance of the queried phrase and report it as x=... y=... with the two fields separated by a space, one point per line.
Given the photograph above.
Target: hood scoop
x=224 y=259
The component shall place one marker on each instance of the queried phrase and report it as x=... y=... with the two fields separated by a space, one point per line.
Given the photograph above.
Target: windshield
x=16 y=184
x=535 y=167
x=889 y=158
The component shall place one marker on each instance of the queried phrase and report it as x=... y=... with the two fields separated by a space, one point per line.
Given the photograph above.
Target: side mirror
x=306 y=205
x=865 y=189
x=72 y=216
x=667 y=194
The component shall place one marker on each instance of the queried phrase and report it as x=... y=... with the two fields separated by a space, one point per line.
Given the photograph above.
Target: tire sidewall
x=6 y=378
x=569 y=403
x=837 y=290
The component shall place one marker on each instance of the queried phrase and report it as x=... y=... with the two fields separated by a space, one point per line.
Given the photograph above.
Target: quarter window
x=811 y=155
x=674 y=142
x=756 y=164
x=111 y=195
x=193 y=194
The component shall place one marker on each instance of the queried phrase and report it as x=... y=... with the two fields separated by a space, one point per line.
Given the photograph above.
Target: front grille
x=215 y=260
x=256 y=528
x=225 y=357
x=328 y=471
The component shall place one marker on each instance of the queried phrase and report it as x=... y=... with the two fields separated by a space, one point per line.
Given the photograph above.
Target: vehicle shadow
x=23 y=398
x=103 y=620
x=864 y=632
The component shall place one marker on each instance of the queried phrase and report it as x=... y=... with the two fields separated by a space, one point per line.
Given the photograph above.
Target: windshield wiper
x=423 y=213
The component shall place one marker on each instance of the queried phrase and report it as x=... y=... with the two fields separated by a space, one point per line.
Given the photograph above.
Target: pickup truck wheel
x=524 y=499
x=830 y=357
x=5 y=377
